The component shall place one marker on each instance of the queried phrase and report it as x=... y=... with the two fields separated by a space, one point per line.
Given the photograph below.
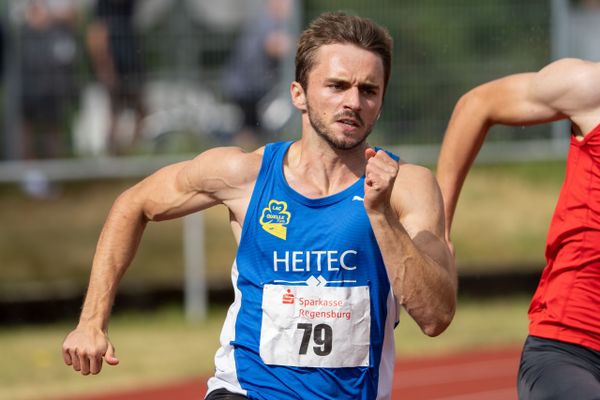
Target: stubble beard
x=345 y=143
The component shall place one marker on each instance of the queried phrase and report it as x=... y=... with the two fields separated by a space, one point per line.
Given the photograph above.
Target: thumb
x=370 y=153
x=109 y=357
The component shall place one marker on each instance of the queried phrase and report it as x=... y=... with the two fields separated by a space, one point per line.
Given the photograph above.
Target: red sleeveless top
x=566 y=304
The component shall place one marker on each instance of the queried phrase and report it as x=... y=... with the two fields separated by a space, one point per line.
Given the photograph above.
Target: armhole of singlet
x=389 y=153
x=268 y=156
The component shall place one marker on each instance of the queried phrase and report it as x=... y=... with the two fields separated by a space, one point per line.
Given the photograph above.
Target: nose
x=352 y=99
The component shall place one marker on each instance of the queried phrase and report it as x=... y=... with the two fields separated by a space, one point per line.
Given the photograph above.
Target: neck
x=315 y=168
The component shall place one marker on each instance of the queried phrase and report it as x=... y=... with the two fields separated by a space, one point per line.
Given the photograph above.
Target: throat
x=314 y=186
x=316 y=171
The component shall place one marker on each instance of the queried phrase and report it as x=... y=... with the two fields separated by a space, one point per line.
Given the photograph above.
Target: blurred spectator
x=588 y=3
x=254 y=66
x=48 y=55
x=116 y=56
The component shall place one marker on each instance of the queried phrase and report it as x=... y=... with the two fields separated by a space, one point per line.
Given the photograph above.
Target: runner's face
x=345 y=94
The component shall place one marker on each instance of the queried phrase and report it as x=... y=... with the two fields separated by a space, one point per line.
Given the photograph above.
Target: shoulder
x=230 y=160
x=570 y=84
x=565 y=73
x=417 y=198
x=222 y=168
x=567 y=65
x=412 y=173
x=415 y=185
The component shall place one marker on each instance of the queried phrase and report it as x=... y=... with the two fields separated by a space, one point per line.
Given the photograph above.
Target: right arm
x=218 y=176
x=553 y=93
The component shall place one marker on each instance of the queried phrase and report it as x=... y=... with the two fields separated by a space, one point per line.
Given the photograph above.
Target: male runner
x=333 y=236
x=561 y=356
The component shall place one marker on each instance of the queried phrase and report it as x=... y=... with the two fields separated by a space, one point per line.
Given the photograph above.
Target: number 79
x=323 y=338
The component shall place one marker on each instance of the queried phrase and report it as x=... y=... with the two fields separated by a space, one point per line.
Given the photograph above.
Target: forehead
x=347 y=61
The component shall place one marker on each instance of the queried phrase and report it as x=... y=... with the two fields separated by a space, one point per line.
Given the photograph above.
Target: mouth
x=349 y=122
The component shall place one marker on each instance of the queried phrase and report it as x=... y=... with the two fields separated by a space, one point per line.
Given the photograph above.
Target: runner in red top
x=566 y=305
x=561 y=357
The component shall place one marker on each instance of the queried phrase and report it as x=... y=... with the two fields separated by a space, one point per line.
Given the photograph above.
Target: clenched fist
x=380 y=175
x=84 y=348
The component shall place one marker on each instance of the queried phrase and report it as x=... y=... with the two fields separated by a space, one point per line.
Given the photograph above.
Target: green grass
x=503 y=215
x=477 y=324
x=159 y=347
x=54 y=240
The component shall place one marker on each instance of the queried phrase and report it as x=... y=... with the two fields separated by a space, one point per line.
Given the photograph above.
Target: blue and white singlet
x=314 y=313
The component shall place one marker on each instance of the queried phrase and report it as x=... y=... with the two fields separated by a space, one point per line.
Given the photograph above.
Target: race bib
x=312 y=326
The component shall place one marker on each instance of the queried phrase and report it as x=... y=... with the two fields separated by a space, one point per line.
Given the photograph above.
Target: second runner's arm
x=520 y=99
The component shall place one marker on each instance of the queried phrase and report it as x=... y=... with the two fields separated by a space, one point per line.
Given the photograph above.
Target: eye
x=368 y=91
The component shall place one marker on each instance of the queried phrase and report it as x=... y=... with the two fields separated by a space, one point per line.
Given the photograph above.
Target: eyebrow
x=362 y=86
x=368 y=86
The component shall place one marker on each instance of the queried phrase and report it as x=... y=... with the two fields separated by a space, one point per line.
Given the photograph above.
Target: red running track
x=489 y=375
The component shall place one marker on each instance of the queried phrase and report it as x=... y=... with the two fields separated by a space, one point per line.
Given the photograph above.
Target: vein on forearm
x=418 y=280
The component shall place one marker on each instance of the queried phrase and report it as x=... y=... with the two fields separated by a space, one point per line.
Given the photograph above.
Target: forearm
x=424 y=286
x=115 y=250
x=463 y=139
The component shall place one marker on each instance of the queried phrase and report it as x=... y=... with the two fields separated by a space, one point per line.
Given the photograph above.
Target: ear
x=298 y=96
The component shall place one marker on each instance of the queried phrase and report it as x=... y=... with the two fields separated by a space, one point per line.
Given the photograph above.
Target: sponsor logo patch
x=275 y=218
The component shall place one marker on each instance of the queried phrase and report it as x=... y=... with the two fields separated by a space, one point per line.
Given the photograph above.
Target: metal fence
x=186 y=46
x=441 y=50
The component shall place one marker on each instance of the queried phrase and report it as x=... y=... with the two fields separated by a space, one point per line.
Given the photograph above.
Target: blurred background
x=96 y=94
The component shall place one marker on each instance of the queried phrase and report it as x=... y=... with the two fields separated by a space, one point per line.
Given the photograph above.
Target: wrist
x=92 y=322
x=381 y=212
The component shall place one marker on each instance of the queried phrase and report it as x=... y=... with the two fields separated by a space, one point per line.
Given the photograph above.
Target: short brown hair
x=338 y=27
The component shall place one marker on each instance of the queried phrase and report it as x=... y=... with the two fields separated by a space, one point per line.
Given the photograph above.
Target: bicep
x=421 y=212
x=211 y=178
x=165 y=194
x=520 y=99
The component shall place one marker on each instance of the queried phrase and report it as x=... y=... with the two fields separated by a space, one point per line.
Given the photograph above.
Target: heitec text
x=313 y=260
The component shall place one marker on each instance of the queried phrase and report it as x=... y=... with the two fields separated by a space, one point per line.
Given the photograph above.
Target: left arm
x=406 y=211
